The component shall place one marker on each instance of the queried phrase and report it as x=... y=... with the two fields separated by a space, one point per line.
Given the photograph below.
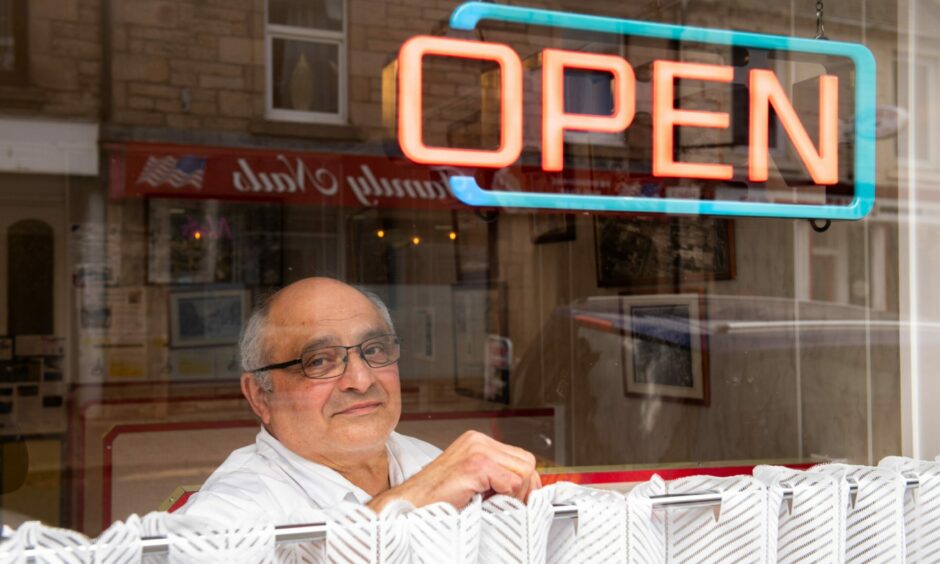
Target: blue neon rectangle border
x=466 y=189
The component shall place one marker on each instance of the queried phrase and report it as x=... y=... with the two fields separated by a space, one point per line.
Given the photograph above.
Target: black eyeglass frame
x=300 y=359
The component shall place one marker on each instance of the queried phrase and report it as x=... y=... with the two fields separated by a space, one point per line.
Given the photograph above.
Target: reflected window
x=30 y=271
x=924 y=96
x=306 y=74
x=13 y=41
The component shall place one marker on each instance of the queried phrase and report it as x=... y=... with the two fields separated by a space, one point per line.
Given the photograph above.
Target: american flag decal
x=177 y=172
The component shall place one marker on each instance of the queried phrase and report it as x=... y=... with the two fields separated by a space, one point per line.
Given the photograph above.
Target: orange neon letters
x=765 y=91
x=554 y=119
x=666 y=117
x=823 y=166
x=410 y=124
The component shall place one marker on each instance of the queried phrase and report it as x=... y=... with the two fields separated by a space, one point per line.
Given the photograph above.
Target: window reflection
x=306 y=60
x=228 y=151
x=7 y=39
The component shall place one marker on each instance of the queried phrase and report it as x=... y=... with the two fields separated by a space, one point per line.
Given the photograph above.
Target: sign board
x=300 y=177
x=779 y=143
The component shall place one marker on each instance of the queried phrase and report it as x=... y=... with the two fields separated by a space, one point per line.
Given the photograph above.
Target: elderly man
x=320 y=360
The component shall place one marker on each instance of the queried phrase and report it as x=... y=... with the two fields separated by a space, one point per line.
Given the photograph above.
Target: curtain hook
x=820 y=28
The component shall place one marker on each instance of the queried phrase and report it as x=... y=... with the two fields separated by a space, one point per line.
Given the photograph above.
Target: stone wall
x=64 y=62
x=214 y=53
x=188 y=64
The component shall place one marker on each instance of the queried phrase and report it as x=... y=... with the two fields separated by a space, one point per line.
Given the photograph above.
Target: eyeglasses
x=330 y=362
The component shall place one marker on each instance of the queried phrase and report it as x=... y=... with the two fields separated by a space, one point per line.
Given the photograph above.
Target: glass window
x=926 y=142
x=305 y=76
x=306 y=61
x=13 y=40
x=7 y=43
x=162 y=177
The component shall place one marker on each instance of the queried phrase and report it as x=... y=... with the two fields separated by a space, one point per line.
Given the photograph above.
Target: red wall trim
x=82 y=416
x=112 y=435
x=617 y=476
x=585 y=478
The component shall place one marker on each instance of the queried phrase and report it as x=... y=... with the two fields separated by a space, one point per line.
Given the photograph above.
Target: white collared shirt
x=267 y=482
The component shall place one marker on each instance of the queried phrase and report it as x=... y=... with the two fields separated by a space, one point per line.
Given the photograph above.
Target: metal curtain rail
x=285 y=534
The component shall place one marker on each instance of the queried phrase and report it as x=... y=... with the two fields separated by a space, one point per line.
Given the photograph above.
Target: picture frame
x=482 y=351
x=205 y=241
x=207 y=318
x=552 y=228
x=663 y=252
x=665 y=347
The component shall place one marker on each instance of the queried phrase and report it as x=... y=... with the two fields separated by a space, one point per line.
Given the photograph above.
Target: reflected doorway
x=33 y=309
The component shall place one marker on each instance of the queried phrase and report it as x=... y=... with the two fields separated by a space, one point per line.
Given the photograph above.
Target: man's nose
x=358 y=375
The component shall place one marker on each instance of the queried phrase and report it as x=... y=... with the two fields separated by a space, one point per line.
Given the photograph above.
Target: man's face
x=328 y=420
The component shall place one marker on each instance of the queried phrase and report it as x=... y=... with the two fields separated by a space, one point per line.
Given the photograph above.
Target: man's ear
x=257 y=397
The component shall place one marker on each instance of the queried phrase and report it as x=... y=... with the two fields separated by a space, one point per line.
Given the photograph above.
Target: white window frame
x=925 y=73
x=907 y=79
x=338 y=38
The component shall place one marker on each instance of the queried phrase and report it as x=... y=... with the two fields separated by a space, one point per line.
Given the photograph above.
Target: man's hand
x=473 y=464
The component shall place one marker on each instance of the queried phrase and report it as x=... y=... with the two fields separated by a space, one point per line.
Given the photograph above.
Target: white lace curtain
x=830 y=513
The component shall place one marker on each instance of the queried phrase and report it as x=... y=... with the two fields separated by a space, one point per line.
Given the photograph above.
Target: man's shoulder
x=243 y=464
x=246 y=485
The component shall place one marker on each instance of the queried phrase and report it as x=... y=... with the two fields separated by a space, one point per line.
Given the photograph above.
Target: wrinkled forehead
x=335 y=316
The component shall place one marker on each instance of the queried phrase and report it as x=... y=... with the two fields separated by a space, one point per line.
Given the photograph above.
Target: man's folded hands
x=473 y=464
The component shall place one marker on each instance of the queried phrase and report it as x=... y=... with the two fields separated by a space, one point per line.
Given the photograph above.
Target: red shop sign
x=191 y=171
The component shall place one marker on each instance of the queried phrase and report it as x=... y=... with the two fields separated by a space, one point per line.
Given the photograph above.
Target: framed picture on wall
x=665 y=347
x=207 y=318
x=656 y=252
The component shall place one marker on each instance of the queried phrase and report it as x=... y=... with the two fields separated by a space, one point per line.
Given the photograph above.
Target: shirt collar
x=324 y=486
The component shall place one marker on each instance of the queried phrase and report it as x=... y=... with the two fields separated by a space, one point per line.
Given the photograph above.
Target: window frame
x=906 y=99
x=926 y=73
x=338 y=38
x=20 y=74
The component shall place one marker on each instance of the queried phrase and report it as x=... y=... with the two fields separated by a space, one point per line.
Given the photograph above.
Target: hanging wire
x=820 y=227
x=820 y=28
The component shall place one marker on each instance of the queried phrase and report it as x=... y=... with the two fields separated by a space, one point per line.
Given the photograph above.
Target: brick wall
x=199 y=65
x=208 y=53
x=215 y=50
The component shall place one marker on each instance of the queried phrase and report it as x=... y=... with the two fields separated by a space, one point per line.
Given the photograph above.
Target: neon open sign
x=767 y=97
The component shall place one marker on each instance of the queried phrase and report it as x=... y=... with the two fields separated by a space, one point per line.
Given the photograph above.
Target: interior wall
x=786 y=394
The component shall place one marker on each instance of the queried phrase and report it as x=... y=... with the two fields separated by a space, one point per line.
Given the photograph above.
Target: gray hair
x=251 y=343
